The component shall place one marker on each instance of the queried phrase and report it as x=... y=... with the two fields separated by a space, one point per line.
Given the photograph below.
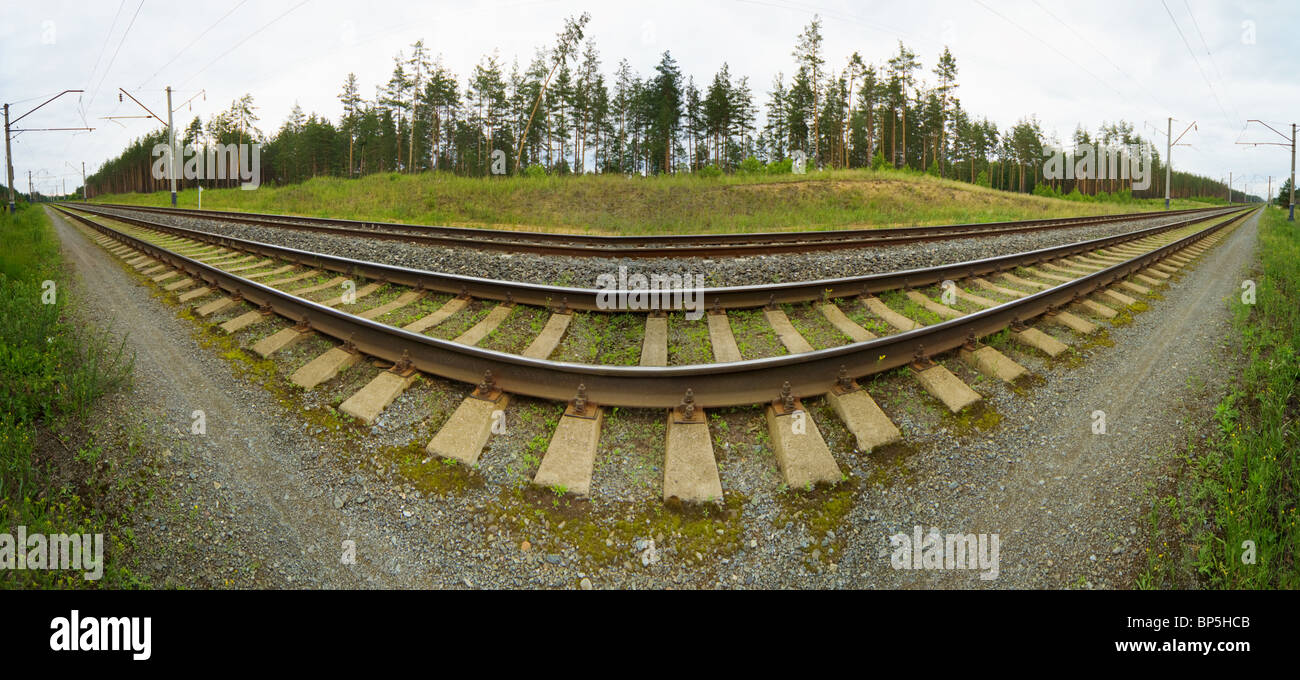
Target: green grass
x=517 y=330
x=461 y=321
x=904 y=305
x=1243 y=483
x=754 y=335
x=616 y=204
x=688 y=340
x=599 y=338
x=416 y=310
x=857 y=312
x=814 y=327
x=52 y=371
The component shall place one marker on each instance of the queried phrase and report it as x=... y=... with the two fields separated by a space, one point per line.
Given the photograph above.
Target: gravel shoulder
x=238 y=507
x=1068 y=504
x=267 y=496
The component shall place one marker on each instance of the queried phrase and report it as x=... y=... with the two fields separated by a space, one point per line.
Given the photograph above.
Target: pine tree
x=418 y=66
x=808 y=54
x=776 y=128
x=901 y=67
x=666 y=111
x=351 y=100
x=566 y=43
x=946 y=71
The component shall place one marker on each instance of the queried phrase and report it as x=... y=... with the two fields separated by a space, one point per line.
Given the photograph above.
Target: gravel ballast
x=583 y=271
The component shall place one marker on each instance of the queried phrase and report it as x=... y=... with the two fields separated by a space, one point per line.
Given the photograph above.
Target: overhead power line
x=1145 y=90
x=115 y=53
x=241 y=42
x=192 y=42
x=1196 y=61
x=1213 y=62
x=107 y=37
x=1050 y=46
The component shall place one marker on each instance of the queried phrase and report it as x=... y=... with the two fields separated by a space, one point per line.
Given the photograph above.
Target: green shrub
x=784 y=166
x=1240 y=484
x=51 y=373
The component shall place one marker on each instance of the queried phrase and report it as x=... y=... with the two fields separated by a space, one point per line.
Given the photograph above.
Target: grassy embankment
x=639 y=205
x=53 y=478
x=1243 y=483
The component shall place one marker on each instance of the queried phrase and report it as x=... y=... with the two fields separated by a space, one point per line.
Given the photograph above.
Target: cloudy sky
x=1215 y=63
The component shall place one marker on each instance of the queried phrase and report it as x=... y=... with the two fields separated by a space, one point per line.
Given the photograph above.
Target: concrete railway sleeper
x=818 y=348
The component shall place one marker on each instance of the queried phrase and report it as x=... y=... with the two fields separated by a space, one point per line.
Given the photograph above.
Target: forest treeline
x=562 y=113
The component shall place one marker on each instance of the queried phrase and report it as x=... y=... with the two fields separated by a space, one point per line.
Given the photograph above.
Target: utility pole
x=1170 y=143
x=1289 y=142
x=9 y=157
x=85 y=190
x=171 y=143
x=29 y=188
x=9 y=161
x=1169 y=153
x=171 y=129
x=1229 y=187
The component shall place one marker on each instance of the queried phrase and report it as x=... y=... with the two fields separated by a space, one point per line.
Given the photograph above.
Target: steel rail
x=714 y=385
x=590 y=299
x=686 y=245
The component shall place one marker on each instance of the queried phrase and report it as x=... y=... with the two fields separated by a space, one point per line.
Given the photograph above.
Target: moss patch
x=822 y=512
x=978 y=417
x=552 y=521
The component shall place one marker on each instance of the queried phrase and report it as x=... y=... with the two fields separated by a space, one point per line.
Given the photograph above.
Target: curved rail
x=684 y=245
x=714 y=385
x=590 y=299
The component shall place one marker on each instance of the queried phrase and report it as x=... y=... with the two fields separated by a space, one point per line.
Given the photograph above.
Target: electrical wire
x=1213 y=62
x=115 y=53
x=1049 y=46
x=244 y=40
x=1145 y=90
x=1196 y=61
x=103 y=47
x=192 y=42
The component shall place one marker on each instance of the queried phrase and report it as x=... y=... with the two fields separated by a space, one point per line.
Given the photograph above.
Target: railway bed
x=829 y=335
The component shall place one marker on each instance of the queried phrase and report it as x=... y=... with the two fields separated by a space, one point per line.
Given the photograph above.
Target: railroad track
x=686 y=245
x=829 y=334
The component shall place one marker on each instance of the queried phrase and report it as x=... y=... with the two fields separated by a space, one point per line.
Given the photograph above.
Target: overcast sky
x=1066 y=63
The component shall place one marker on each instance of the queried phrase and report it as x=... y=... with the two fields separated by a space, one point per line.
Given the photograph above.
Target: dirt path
x=1067 y=503
x=242 y=506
